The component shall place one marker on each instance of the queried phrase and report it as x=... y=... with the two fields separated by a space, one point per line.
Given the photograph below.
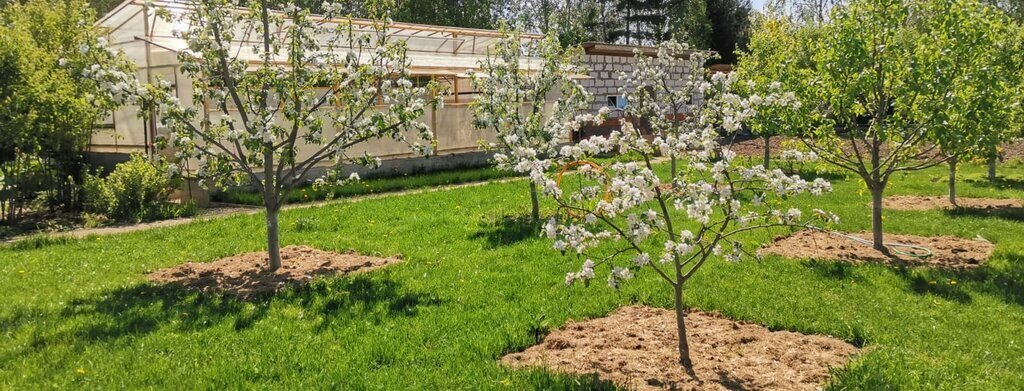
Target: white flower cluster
x=795 y=156
x=512 y=104
x=772 y=106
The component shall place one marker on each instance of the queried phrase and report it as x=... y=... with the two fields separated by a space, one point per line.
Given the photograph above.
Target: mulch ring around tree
x=247 y=275
x=946 y=251
x=754 y=147
x=942 y=202
x=635 y=347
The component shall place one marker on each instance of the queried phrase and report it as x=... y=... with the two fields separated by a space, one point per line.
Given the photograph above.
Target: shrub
x=136 y=190
x=94 y=220
x=303 y=224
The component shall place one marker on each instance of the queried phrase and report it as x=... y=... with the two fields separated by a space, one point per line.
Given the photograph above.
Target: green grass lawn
x=383 y=184
x=370 y=186
x=477 y=284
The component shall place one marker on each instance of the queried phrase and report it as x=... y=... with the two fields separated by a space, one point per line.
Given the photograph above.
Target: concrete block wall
x=605 y=72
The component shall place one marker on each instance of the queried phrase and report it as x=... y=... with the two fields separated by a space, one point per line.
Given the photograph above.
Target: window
x=617 y=101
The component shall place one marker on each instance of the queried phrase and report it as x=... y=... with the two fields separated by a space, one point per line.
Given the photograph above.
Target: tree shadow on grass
x=1007 y=282
x=545 y=379
x=1003 y=212
x=1003 y=282
x=1001 y=182
x=506 y=230
x=148 y=308
x=935 y=282
x=836 y=270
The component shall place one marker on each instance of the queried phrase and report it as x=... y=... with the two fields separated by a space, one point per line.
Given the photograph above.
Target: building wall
x=605 y=71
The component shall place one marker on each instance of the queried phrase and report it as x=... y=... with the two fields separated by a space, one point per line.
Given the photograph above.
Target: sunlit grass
x=477 y=283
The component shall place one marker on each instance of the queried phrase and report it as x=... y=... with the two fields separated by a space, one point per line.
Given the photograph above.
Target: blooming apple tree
x=662 y=89
x=618 y=218
x=528 y=97
x=313 y=88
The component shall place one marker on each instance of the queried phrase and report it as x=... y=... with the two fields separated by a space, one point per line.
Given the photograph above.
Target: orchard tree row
x=881 y=87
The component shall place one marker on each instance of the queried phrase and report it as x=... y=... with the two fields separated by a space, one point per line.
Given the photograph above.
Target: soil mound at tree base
x=754 y=147
x=947 y=251
x=636 y=347
x=246 y=275
x=942 y=202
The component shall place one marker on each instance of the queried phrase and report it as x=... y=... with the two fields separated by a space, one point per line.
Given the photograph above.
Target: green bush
x=136 y=190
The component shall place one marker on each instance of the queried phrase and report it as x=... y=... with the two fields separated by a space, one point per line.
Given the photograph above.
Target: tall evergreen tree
x=730 y=27
x=688 y=20
x=601 y=19
x=455 y=13
x=646 y=21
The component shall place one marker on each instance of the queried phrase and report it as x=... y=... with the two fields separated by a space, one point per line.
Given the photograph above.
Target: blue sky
x=757 y=4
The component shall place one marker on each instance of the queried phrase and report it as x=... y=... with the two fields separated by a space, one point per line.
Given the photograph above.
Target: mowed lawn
x=476 y=284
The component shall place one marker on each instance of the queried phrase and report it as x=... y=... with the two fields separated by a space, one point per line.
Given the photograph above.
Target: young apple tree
x=663 y=89
x=528 y=97
x=618 y=217
x=316 y=88
x=773 y=66
x=987 y=96
x=1011 y=63
x=884 y=73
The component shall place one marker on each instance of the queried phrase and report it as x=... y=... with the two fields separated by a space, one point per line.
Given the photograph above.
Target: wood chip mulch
x=635 y=348
x=942 y=202
x=948 y=252
x=247 y=275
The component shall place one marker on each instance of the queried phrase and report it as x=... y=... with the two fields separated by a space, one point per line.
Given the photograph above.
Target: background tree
x=316 y=86
x=48 y=109
x=531 y=111
x=805 y=12
x=981 y=118
x=457 y=13
x=646 y=21
x=774 y=65
x=637 y=21
x=730 y=27
x=882 y=75
x=1013 y=8
x=690 y=22
x=600 y=19
x=1011 y=125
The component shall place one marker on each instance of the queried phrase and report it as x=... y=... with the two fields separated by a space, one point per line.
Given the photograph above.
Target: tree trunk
x=876 y=217
x=535 y=212
x=673 y=164
x=876 y=182
x=992 y=166
x=952 y=180
x=767 y=151
x=684 y=346
x=273 y=240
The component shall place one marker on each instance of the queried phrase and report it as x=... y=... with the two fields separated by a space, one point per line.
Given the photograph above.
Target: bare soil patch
x=635 y=347
x=1013 y=150
x=246 y=275
x=754 y=146
x=947 y=251
x=942 y=202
